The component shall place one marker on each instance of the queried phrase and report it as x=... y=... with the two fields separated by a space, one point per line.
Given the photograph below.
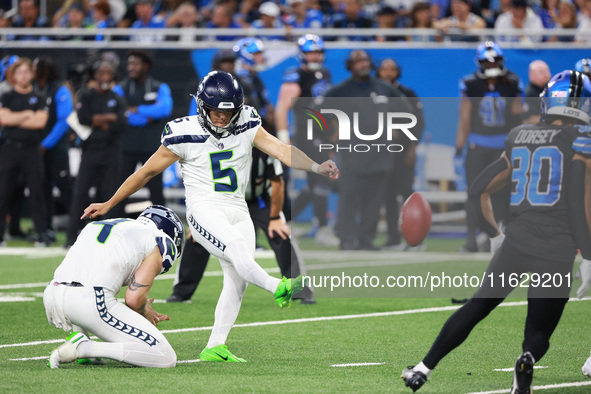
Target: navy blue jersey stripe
x=206 y=234
x=185 y=139
x=114 y=322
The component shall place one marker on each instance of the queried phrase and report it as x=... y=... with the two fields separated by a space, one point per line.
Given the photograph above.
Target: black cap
x=519 y=3
x=386 y=10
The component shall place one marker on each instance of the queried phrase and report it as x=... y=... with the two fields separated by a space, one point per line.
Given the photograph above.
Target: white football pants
x=227 y=232
x=129 y=337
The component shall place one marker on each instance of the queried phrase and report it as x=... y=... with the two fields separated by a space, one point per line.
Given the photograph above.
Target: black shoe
x=413 y=379
x=308 y=301
x=43 y=240
x=17 y=234
x=174 y=298
x=524 y=374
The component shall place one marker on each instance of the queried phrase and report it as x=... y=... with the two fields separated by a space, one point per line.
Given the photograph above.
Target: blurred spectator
x=60 y=17
x=24 y=115
x=75 y=19
x=521 y=16
x=29 y=17
x=55 y=144
x=309 y=79
x=351 y=17
x=361 y=185
x=185 y=17
x=15 y=202
x=221 y=18
x=400 y=180
x=548 y=12
x=269 y=19
x=249 y=12
x=165 y=8
x=101 y=109
x=146 y=19
x=302 y=16
x=403 y=9
x=420 y=18
x=584 y=28
x=439 y=9
x=101 y=18
x=538 y=75
x=149 y=104
x=567 y=19
x=457 y=27
x=491 y=105
x=386 y=19
x=250 y=61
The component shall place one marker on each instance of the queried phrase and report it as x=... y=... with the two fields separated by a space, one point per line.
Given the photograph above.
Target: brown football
x=415 y=219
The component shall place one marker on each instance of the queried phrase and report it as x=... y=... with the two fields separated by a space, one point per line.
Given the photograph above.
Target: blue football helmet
x=166 y=220
x=584 y=66
x=310 y=43
x=490 y=60
x=5 y=63
x=247 y=47
x=219 y=91
x=567 y=94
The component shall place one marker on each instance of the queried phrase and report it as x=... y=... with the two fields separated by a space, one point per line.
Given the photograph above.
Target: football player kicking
x=546 y=164
x=214 y=149
x=106 y=256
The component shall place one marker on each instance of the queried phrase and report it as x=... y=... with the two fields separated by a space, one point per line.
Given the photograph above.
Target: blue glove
x=460 y=169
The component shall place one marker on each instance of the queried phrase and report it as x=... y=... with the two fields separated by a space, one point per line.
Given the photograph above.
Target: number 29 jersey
x=541 y=156
x=214 y=170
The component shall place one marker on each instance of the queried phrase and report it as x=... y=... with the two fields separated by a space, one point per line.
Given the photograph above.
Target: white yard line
x=303 y=320
x=355 y=365
x=188 y=361
x=535 y=388
x=513 y=368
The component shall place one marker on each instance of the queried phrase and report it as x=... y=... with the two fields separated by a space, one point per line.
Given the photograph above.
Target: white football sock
x=423 y=368
x=228 y=305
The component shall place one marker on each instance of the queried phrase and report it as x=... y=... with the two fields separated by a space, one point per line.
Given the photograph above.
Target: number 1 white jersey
x=213 y=169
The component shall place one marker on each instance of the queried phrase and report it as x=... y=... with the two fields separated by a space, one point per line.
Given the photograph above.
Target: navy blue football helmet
x=490 y=60
x=166 y=220
x=584 y=66
x=567 y=94
x=219 y=91
x=310 y=43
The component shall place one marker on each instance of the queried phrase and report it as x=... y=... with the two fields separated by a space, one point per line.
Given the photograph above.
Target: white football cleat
x=587 y=368
x=66 y=352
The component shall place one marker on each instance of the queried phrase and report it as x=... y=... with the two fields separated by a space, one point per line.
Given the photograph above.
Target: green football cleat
x=91 y=361
x=66 y=352
x=219 y=353
x=287 y=288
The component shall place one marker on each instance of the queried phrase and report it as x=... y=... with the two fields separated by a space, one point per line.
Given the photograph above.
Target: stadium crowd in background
x=453 y=19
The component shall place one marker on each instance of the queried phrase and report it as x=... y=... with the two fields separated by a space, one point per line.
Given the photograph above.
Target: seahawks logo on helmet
x=170 y=224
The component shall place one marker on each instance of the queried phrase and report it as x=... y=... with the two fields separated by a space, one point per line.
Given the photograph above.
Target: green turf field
x=299 y=355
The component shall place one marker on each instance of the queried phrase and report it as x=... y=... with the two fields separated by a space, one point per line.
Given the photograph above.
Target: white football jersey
x=213 y=170
x=107 y=253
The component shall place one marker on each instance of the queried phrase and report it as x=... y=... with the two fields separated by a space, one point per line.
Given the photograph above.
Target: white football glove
x=496 y=242
x=585 y=271
x=587 y=368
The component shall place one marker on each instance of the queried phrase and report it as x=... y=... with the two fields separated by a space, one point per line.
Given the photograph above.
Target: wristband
x=315 y=167
x=275 y=217
x=459 y=151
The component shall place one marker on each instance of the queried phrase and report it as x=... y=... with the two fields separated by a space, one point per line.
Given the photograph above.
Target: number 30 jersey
x=541 y=156
x=213 y=170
